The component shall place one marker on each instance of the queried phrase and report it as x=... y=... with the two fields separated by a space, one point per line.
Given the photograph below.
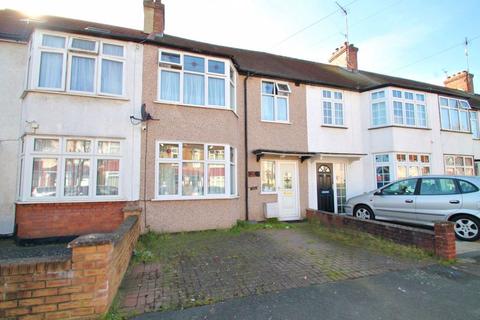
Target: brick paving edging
x=441 y=241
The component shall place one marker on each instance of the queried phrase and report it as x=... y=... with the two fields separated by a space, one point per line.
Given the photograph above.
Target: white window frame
x=459 y=110
x=180 y=69
x=474 y=119
x=68 y=53
x=61 y=155
x=276 y=169
x=332 y=100
x=408 y=164
x=378 y=100
x=275 y=97
x=416 y=107
x=455 y=166
x=377 y=164
x=205 y=162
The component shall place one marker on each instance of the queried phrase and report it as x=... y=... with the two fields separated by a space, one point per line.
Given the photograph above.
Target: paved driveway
x=223 y=266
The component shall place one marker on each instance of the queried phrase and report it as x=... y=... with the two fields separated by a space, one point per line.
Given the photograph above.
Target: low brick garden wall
x=441 y=241
x=78 y=286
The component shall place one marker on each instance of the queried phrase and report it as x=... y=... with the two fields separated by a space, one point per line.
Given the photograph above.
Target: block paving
x=254 y=262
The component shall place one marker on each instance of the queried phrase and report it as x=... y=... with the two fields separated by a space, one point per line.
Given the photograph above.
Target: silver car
x=425 y=200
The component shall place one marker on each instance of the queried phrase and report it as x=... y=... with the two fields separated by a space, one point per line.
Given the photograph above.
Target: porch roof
x=302 y=155
x=349 y=155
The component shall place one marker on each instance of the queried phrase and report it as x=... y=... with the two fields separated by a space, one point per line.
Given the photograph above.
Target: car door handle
x=454 y=201
x=409 y=201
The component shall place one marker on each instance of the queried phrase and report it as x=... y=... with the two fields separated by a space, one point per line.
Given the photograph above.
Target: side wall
x=12 y=76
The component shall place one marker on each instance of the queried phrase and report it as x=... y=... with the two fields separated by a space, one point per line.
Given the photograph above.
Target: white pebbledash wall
x=359 y=138
x=76 y=115
x=12 y=74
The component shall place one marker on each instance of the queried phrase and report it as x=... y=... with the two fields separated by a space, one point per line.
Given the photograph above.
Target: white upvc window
x=379 y=108
x=268 y=176
x=195 y=171
x=459 y=165
x=411 y=165
x=78 y=64
x=196 y=80
x=333 y=111
x=454 y=114
x=274 y=106
x=409 y=109
x=474 y=124
x=383 y=169
x=70 y=168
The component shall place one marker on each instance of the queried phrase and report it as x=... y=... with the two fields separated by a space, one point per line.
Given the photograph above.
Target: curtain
x=338 y=113
x=410 y=114
x=267 y=108
x=51 y=70
x=112 y=77
x=170 y=86
x=422 y=115
x=77 y=173
x=53 y=41
x=168 y=179
x=327 y=112
x=44 y=177
x=193 y=89
x=112 y=50
x=216 y=179
x=82 y=74
x=282 y=109
x=216 y=91
x=83 y=44
x=192 y=178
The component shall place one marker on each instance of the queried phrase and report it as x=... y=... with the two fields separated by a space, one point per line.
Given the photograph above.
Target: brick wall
x=441 y=241
x=82 y=287
x=47 y=220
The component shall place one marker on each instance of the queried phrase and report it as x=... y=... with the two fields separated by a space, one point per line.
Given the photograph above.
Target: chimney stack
x=153 y=16
x=345 y=56
x=462 y=80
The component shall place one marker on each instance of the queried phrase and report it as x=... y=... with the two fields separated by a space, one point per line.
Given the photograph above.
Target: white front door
x=288 y=191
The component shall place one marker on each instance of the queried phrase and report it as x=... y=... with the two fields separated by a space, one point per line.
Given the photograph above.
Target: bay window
x=459 y=165
x=193 y=170
x=454 y=114
x=196 y=80
x=60 y=168
x=275 y=101
x=333 y=108
x=393 y=166
x=79 y=65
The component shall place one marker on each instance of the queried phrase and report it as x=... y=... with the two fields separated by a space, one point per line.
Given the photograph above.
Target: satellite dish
x=145 y=115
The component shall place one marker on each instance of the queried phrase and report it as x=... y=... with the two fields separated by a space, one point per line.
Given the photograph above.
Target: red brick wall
x=80 y=288
x=46 y=220
x=440 y=242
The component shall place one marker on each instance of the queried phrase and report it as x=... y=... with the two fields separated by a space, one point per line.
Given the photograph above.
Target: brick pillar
x=445 y=240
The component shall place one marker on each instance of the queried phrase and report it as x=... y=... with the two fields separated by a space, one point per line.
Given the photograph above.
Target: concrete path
x=427 y=293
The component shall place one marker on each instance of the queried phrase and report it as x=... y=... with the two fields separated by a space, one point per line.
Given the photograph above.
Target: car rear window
x=467 y=187
x=437 y=186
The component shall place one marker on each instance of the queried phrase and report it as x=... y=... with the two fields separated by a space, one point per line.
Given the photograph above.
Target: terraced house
x=200 y=135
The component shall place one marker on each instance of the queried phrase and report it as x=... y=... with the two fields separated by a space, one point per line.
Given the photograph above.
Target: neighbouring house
x=79 y=151
x=224 y=134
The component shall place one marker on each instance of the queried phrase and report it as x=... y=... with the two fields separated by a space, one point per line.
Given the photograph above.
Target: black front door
x=325 y=187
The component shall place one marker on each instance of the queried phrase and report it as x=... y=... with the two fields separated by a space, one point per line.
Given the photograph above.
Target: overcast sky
x=408 y=38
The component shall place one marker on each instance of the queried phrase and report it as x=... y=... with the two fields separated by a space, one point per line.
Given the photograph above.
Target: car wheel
x=363 y=212
x=467 y=228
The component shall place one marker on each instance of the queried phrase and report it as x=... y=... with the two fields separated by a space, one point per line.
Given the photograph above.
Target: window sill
x=176 y=198
x=70 y=200
x=399 y=126
x=334 y=126
x=77 y=94
x=456 y=131
x=276 y=122
x=195 y=106
x=268 y=193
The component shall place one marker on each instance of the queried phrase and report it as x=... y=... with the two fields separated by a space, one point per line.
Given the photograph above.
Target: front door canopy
x=301 y=155
x=305 y=155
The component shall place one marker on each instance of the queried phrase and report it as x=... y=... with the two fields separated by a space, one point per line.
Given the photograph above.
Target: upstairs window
x=275 y=101
x=454 y=114
x=379 y=109
x=196 y=80
x=333 y=113
x=85 y=66
x=474 y=125
x=409 y=109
